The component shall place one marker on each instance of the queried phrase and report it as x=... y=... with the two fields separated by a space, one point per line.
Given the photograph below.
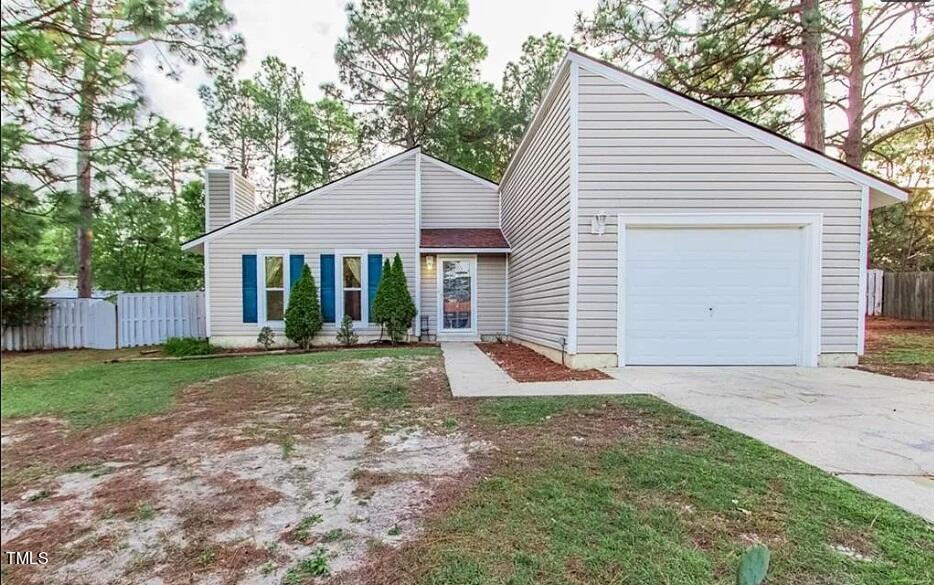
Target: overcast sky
x=303 y=34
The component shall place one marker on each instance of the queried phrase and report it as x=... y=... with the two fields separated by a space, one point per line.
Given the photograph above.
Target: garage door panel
x=713 y=296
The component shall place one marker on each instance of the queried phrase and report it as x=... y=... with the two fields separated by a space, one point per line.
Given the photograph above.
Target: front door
x=457 y=291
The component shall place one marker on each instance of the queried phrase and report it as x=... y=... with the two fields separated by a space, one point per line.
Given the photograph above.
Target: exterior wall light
x=430 y=262
x=598 y=223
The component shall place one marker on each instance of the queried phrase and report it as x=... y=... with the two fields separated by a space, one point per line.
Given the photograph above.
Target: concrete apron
x=875 y=432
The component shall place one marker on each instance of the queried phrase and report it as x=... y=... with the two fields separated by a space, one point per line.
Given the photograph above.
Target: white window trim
x=261 y=286
x=364 y=286
x=812 y=273
x=439 y=263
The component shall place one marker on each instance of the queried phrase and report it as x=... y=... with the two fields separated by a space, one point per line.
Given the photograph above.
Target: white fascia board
x=711 y=114
x=397 y=158
x=465 y=250
x=543 y=107
x=449 y=167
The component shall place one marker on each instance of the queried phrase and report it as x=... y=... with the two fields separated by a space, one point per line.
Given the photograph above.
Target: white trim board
x=745 y=128
x=574 y=206
x=863 y=267
x=418 y=239
x=811 y=223
x=465 y=250
x=439 y=294
x=298 y=199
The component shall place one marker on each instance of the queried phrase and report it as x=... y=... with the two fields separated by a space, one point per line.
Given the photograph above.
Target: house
x=633 y=225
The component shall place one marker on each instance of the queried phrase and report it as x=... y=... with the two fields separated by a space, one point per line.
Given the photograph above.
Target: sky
x=303 y=33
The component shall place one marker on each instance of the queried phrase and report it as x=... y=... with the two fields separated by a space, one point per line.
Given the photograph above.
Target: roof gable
x=737 y=124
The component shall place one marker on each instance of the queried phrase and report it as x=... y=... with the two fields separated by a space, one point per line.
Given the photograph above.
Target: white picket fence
x=874 y=292
x=137 y=319
x=151 y=318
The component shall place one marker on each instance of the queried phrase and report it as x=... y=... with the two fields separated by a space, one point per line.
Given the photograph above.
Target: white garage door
x=713 y=296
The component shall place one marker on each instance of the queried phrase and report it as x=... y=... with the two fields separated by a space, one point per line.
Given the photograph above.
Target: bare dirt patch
x=218 y=490
x=525 y=365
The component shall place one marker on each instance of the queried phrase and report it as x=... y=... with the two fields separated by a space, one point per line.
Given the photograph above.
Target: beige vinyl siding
x=244 y=197
x=429 y=298
x=375 y=213
x=451 y=200
x=218 y=211
x=641 y=155
x=491 y=294
x=535 y=220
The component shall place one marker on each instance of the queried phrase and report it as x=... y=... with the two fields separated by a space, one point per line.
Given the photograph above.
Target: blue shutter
x=296 y=264
x=374 y=272
x=328 y=309
x=249 y=288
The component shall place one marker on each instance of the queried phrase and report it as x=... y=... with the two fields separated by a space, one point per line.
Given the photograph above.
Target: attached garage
x=718 y=290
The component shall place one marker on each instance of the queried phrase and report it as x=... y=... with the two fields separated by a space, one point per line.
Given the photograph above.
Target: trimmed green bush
x=184 y=346
x=303 y=316
x=266 y=337
x=393 y=307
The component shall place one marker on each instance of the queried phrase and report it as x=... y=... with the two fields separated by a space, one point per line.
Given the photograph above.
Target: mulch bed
x=526 y=365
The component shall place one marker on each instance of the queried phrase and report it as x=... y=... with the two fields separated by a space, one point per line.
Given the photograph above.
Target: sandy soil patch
x=248 y=480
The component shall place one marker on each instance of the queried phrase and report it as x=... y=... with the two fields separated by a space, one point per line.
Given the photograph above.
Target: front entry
x=457 y=294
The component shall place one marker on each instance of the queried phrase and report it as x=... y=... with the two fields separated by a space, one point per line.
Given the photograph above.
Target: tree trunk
x=855 y=101
x=86 y=104
x=813 y=62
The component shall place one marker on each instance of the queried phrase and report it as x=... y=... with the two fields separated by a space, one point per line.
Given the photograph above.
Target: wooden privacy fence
x=874 y=292
x=908 y=295
x=70 y=324
x=151 y=318
x=136 y=319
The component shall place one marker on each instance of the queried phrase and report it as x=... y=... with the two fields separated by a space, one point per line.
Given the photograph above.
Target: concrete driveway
x=876 y=432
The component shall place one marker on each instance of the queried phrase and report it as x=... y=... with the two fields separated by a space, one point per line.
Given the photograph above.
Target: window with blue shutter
x=249 y=288
x=296 y=264
x=328 y=289
x=374 y=272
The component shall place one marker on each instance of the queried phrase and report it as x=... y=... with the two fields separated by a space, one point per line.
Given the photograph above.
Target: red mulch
x=526 y=365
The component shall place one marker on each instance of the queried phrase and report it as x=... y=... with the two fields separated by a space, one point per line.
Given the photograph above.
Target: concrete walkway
x=875 y=432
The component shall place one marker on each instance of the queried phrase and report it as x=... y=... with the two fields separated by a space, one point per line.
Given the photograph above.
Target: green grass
x=79 y=388
x=909 y=348
x=314 y=566
x=522 y=411
x=668 y=508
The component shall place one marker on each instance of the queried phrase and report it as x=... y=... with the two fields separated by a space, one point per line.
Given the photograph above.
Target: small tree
x=378 y=312
x=399 y=309
x=303 y=317
x=346 y=335
x=266 y=337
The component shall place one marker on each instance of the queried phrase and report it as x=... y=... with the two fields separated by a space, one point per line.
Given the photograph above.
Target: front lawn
x=357 y=466
x=900 y=348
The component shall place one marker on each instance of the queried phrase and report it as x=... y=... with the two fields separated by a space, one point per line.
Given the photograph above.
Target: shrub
x=378 y=312
x=394 y=308
x=266 y=337
x=184 y=346
x=346 y=335
x=303 y=317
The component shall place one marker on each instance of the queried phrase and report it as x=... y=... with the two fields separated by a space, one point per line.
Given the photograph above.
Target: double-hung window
x=352 y=286
x=273 y=297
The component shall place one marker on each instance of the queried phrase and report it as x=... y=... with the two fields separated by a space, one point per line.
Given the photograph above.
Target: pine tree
x=303 y=317
x=378 y=313
x=399 y=308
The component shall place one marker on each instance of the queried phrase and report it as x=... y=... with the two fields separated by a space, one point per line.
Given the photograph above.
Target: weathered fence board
x=151 y=318
x=908 y=295
x=70 y=324
x=137 y=319
x=874 y=280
